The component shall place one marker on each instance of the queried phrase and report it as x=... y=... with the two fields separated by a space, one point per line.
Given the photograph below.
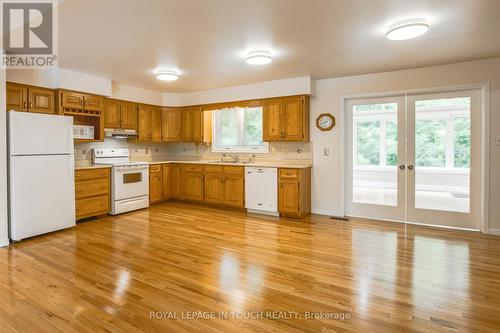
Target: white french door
x=415 y=158
x=376 y=138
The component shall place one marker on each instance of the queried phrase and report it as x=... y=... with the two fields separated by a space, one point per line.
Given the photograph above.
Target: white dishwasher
x=261 y=190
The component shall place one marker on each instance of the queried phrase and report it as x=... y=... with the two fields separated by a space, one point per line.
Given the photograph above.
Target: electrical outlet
x=326 y=152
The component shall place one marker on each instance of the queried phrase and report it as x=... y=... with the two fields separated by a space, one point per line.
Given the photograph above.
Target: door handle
x=402 y=167
x=410 y=167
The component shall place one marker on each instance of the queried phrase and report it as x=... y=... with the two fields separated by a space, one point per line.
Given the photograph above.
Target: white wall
x=327 y=174
x=129 y=93
x=4 y=237
x=287 y=87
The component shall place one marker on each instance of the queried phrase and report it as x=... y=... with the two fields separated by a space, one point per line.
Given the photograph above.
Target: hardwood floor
x=132 y=272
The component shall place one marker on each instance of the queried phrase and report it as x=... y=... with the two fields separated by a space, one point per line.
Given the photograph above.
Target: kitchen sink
x=232 y=162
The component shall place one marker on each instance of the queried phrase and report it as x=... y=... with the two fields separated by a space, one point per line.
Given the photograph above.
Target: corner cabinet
x=294 y=192
x=149 y=123
x=286 y=119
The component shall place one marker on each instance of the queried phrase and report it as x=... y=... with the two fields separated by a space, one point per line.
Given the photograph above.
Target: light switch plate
x=326 y=152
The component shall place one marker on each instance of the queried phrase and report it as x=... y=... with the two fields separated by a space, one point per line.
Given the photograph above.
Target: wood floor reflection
x=157 y=270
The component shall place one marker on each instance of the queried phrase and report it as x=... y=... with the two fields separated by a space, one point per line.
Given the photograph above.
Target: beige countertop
x=91 y=166
x=262 y=164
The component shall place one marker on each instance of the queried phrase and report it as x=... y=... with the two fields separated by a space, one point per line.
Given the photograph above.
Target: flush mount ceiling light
x=407 y=29
x=259 y=58
x=167 y=75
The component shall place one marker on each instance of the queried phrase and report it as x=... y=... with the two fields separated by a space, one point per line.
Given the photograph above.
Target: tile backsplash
x=298 y=151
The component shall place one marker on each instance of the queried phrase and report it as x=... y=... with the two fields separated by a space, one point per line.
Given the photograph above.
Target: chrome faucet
x=235 y=158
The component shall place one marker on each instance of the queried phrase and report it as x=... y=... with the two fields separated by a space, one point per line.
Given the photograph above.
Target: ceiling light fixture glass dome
x=167 y=75
x=407 y=29
x=260 y=57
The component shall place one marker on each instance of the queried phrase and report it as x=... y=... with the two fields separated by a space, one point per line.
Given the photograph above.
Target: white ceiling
x=206 y=40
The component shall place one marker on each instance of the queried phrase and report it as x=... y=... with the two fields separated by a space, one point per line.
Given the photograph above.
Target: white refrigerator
x=41 y=174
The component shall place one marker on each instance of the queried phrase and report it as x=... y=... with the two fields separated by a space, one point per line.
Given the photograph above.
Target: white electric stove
x=129 y=180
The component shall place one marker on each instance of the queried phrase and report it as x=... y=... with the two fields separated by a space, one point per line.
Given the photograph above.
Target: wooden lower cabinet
x=155 y=183
x=92 y=192
x=193 y=185
x=294 y=193
x=225 y=186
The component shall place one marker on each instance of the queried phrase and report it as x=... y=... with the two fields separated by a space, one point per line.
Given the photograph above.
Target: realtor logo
x=28 y=31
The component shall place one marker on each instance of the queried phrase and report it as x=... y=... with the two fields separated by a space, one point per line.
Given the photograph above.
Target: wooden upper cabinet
x=197 y=124
x=144 y=123
x=93 y=102
x=156 y=123
x=72 y=100
x=271 y=120
x=187 y=128
x=41 y=100
x=128 y=115
x=286 y=119
x=293 y=119
x=17 y=97
x=192 y=124
x=112 y=113
x=171 y=124
x=32 y=99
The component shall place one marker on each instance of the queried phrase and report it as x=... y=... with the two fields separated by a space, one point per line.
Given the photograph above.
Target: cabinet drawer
x=155 y=168
x=192 y=167
x=92 y=206
x=289 y=173
x=91 y=188
x=91 y=174
x=213 y=168
x=234 y=170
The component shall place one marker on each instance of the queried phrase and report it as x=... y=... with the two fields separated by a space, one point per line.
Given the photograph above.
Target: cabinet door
x=155 y=187
x=214 y=188
x=41 y=100
x=197 y=124
x=234 y=191
x=271 y=118
x=171 y=124
x=293 y=120
x=192 y=184
x=145 y=118
x=175 y=182
x=93 y=102
x=17 y=97
x=128 y=115
x=72 y=100
x=112 y=116
x=156 y=117
x=288 y=197
x=187 y=126
x=167 y=180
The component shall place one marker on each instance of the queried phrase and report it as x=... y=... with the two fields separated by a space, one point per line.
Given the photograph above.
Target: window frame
x=217 y=133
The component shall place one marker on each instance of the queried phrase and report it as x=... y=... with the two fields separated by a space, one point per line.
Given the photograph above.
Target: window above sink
x=238 y=130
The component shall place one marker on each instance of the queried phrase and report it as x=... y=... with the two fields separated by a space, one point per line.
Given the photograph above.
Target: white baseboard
x=493 y=231
x=4 y=242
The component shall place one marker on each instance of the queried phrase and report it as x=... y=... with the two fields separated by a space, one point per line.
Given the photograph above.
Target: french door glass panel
x=376 y=140
x=444 y=159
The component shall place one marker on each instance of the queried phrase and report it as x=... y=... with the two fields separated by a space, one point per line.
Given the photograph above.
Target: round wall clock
x=325 y=122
